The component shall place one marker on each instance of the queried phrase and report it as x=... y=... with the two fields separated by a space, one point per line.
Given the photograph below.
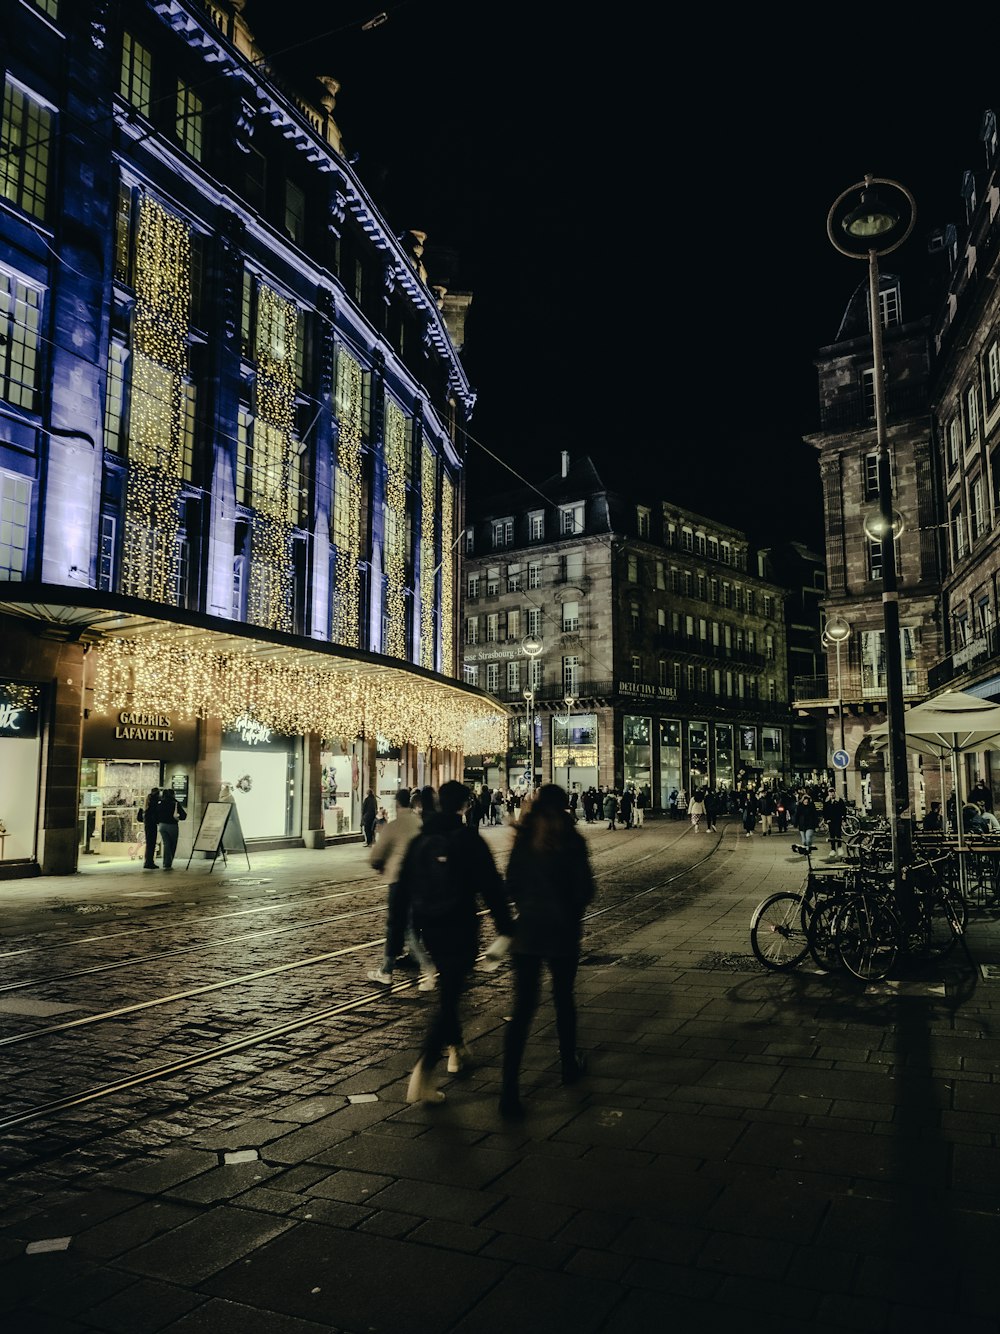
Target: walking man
x=387 y=858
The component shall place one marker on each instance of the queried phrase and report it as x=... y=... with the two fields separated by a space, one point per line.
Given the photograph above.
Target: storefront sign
x=251 y=732
x=644 y=689
x=143 y=727
x=19 y=710
x=135 y=734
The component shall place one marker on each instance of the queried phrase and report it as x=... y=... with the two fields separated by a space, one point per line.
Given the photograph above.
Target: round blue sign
x=841 y=759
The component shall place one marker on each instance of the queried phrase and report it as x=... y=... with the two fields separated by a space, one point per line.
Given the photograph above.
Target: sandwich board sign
x=219 y=832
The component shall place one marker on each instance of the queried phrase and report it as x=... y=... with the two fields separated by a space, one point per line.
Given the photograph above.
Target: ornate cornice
x=294 y=124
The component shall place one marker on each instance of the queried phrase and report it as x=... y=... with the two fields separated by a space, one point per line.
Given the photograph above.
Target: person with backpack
x=551 y=883
x=387 y=858
x=445 y=871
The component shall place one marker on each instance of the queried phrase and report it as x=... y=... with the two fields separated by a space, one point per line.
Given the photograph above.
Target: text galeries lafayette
x=144 y=727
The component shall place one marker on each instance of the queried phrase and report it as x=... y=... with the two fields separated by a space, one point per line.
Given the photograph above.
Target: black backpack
x=435 y=891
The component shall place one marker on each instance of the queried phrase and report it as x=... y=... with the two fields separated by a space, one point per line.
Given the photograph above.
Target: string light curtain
x=394 y=555
x=158 y=675
x=447 y=575
x=269 y=598
x=345 y=533
x=159 y=364
x=428 y=521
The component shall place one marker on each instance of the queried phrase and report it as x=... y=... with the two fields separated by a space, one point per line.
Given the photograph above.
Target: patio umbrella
x=951 y=724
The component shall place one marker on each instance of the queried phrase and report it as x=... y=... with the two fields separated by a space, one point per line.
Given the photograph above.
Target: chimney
x=565 y=462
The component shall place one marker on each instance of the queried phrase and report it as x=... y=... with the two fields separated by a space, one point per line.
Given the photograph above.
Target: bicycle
x=874 y=926
x=789 y=924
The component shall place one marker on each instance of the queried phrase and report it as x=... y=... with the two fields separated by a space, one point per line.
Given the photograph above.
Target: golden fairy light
x=159 y=409
x=428 y=517
x=447 y=574
x=345 y=514
x=269 y=598
x=395 y=529
x=160 y=675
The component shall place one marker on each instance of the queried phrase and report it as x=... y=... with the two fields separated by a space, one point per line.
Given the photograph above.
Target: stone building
x=230 y=469
x=650 y=641
x=942 y=361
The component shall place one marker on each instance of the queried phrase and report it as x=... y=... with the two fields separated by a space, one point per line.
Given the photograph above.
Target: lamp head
x=873 y=217
x=877 y=528
x=837 y=630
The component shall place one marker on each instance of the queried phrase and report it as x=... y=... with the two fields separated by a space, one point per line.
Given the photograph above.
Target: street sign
x=841 y=759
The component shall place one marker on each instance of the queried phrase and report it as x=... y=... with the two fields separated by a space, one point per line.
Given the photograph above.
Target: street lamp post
x=837 y=632
x=531 y=647
x=878 y=223
x=569 y=701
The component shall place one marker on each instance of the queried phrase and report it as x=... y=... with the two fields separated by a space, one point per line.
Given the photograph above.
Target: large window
x=570 y=617
x=136 y=84
x=190 y=120
x=571 y=675
x=25 y=150
x=20 y=317
x=15 y=504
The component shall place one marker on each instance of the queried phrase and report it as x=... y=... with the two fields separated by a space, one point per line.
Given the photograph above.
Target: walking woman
x=550 y=883
x=150 y=828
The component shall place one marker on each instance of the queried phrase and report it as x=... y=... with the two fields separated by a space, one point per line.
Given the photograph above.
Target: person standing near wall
x=168 y=812
x=150 y=828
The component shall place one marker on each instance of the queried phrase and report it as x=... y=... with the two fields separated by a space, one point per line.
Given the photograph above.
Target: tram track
x=608 y=916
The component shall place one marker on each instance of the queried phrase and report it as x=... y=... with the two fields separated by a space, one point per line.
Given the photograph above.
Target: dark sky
x=640 y=203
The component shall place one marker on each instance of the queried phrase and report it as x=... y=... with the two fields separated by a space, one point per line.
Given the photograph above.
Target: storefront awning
x=210 y=666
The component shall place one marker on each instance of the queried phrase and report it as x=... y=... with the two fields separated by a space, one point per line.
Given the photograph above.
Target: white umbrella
x=954 y=724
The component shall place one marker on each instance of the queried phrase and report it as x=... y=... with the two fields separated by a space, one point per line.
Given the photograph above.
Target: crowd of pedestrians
x=438 y=868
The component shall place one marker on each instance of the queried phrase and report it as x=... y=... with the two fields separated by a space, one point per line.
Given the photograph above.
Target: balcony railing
x=968 y=660
x=822 y=690
x=854 y=411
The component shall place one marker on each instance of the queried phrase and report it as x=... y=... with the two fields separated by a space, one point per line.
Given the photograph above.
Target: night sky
x=639 y=206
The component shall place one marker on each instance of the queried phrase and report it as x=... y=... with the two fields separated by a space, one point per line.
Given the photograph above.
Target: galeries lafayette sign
x=144 y=727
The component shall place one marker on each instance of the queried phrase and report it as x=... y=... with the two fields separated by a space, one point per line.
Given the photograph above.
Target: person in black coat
x=150 y=827
x=369 y=814
x=451 y=938
x=551 y=883
x=166 y=821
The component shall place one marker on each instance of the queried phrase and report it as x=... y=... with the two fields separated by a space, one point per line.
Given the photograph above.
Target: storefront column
x=208 y=770
x=313 y=833
x=58 y=842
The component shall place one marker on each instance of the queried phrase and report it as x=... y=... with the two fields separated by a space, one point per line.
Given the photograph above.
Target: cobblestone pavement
x=750 y=1150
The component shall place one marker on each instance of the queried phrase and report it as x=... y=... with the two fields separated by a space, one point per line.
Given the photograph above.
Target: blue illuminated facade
x=230 y=470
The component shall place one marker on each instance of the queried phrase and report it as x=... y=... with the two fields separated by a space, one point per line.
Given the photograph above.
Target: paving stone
x=422 y=1160
x=450 y=1236
x=223 y=1183
x=158 y=1174
x=143 y=1307
x=537 y=1301
x=219 y=1317
x=127 y=1230
x=204 y=1245
x=334 y=1212
x=430 y=1289
x=428 y=1199
x=351 y=1187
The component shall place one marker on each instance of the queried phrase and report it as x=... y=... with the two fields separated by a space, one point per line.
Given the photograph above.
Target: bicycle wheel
x=943 y=917
x=777 y=931
x=867 y=937
x=821 y=933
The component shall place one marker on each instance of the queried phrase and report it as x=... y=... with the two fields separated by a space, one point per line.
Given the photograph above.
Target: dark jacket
x=455 y=939
x=166 y=809
x=807 y=815
x=550 y=891
x=149 y=814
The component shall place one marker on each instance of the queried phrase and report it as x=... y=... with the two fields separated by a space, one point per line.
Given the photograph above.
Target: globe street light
x=837 y=632
x=864 y=228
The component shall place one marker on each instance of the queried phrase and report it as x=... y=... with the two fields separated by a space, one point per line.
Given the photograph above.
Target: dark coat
x=166 y=809
x=550 y=891
x=807 y=815
x=455 y=939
